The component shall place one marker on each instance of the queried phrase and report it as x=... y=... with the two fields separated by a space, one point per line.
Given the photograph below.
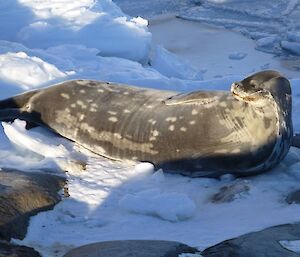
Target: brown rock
x=293 y=197
x=11 y=250
x=22 y=195
x=265 y=243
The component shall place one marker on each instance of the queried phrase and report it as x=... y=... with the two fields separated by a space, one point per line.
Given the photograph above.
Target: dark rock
x=293 y=197
x=132 y=248
x=11 y=250
x=22 y=195
x=265 y=243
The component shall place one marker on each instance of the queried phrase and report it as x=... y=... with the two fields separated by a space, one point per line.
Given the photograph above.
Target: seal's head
x=262 y=86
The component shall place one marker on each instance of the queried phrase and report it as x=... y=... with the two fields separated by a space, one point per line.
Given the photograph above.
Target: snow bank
x=293 y=47
x=100 y=25
x=27 y=71
x=166 y=205
x=27 y=68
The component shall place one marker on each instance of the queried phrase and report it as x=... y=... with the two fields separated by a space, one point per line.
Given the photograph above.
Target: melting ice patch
x=166 y=205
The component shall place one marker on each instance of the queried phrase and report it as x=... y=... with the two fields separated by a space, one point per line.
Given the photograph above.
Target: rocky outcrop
x=265 y=243
x=22 y=195
x=11 y=250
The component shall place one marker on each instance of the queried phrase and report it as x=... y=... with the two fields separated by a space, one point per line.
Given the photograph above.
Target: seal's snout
x=233 y=86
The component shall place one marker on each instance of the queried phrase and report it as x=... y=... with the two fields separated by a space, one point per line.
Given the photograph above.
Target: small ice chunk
x=292 y=47
x=266 y=41
x=292 y=245
x=293 y=36
x=144 y=168
x=169 y=206
x=237 y=56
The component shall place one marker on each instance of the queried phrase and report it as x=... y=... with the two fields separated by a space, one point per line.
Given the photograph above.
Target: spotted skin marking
x=66 y=96
x=194 y=112
x=113 y=119
x=172 y=128
x=171 y=119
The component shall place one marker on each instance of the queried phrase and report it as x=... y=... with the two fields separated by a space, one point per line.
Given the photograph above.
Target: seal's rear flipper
x=9 y=114
x=32 y=119
x=17 y=101
x=11 y=109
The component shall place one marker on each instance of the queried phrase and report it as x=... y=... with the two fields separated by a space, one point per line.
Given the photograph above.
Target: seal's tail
x=17 y=101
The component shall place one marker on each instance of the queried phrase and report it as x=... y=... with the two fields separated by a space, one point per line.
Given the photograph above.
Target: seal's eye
x=237 y=84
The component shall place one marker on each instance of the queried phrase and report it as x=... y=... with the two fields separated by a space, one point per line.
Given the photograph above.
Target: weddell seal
x=201 y=133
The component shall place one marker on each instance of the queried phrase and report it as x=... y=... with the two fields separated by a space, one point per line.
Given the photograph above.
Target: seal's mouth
x=238 y=91
x=248 y=98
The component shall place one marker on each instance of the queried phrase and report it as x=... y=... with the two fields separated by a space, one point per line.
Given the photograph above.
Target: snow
x=53 y=41
x=96 y=25
x=27 y=71
x=190 y=255
x=45 y=151
x=293 y=246
x=168 y=206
